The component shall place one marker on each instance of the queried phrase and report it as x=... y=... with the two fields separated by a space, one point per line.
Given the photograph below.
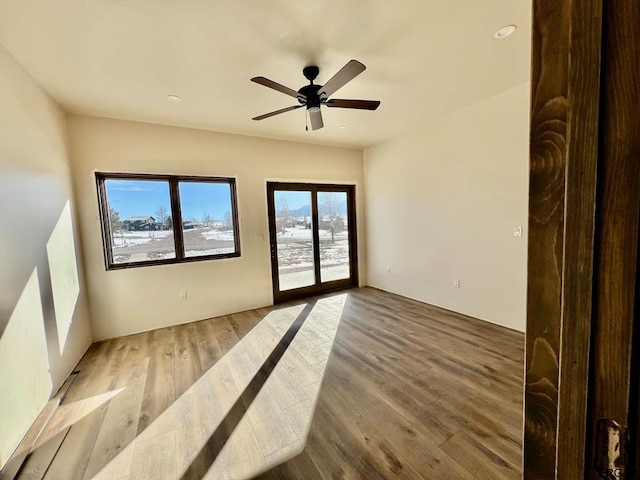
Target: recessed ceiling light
x=174 y=98
x=342 y=127
x=505 y=31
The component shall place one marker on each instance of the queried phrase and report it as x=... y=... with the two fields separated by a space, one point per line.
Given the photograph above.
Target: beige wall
x=138 y=299
x=44 y=327
x=442 y=203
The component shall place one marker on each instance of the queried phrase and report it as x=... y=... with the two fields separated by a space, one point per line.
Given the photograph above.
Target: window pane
x=207 y=218
x=334 y=236
x=139 y=220
x=294 y=239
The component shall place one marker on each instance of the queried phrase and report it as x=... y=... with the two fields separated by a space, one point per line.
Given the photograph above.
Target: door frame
x=584 y=207
x=318 y=287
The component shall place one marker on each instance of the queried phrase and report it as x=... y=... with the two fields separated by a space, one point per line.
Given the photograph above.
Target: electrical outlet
x=456 y=282
x=183 y=294
x=517 y=231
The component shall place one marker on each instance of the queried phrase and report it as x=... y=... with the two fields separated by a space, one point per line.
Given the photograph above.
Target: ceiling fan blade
x=316 y=120
x=347 y=73
x=277 y=112
x=276 y=86
x=359 y=104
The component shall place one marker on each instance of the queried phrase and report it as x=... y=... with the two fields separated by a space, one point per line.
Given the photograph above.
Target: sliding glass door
x=313 y=238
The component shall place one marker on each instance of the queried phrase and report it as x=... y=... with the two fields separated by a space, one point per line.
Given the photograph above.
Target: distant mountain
x=302 y=211
x=338 y=207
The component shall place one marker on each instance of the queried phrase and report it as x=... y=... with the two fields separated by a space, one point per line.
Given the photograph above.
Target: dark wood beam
x=563 y=174
x=618 y=216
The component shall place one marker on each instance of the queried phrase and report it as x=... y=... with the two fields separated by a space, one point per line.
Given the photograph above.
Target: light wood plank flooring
x=360 y=384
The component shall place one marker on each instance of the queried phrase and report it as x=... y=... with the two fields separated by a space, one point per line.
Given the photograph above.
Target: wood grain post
x=617 y=221
x=566 y=51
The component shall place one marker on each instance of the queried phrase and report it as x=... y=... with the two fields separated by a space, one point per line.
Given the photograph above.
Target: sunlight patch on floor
x=69 y=414
x=276 y=423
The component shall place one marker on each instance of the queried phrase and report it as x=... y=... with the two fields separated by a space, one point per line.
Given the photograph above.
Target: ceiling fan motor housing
x=311 y=94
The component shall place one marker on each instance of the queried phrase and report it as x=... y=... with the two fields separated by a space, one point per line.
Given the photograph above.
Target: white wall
x=44 y=326
x=441 y=203
x=139 y=299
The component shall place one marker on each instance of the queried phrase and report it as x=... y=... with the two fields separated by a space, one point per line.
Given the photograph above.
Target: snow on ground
x=124 y=239
x=154 y=245
x=217 y=235
x=302 y=233
x=141 y=256
x=212 y=251
x=295 y=252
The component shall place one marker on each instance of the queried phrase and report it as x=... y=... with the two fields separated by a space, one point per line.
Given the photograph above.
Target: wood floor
x=361 y=384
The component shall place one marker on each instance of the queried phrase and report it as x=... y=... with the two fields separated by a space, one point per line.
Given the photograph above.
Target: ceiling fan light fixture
x=504 y=32
x=313 y=109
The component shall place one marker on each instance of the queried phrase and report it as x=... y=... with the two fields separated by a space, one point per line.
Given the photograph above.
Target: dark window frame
x=319 y=287
x=176 y=217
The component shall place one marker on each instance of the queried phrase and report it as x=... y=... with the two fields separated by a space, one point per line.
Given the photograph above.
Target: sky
x=133 y=198
x=297 y=200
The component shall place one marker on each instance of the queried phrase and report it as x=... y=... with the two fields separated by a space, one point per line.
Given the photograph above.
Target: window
x=161 y=219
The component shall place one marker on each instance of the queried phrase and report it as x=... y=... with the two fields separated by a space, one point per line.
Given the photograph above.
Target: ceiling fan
x=312 y=96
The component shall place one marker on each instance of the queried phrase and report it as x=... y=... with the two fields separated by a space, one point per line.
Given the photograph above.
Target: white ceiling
x=121 y=58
